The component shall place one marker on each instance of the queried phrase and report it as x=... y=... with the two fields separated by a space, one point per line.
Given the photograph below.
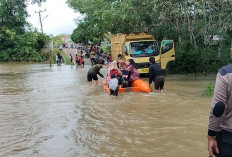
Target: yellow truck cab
x=141 y=46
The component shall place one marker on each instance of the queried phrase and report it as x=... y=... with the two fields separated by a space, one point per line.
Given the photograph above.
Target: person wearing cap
x=157 y=75
x=93 y=72
x=220 y=118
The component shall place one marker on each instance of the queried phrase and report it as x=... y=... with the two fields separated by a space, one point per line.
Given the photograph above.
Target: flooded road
x=51 y=112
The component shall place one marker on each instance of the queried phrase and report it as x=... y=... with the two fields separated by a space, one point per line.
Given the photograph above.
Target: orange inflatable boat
x=136 y=86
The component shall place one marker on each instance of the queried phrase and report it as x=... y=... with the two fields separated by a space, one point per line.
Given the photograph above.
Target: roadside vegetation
x=19 y=42
x=209 y=90
x=201 y=29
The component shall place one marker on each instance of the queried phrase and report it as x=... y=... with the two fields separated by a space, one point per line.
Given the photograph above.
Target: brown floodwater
x=52 y=112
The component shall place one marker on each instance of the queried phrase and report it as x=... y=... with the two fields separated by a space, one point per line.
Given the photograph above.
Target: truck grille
x=142 y=65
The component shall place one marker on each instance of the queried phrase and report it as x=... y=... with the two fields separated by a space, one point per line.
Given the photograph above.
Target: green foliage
x=209 y=90
x=195 y=59
x=65 y=58
x=24 y=47
x=57 y=40
x=106 y=49
x=191 y=24
x=41 y=41
x=16 y=43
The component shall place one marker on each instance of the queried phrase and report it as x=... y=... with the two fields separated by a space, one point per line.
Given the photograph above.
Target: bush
x=23 y=47
x=209 y=90
x=106 y=49
x=195 y=59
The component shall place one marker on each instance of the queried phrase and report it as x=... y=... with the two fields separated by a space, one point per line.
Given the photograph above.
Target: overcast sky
x=57 y=19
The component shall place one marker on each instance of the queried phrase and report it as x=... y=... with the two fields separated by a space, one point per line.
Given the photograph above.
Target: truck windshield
x=144 y=49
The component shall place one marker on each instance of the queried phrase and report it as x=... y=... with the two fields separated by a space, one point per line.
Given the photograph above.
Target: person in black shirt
x=157 y=75
x=93 y=72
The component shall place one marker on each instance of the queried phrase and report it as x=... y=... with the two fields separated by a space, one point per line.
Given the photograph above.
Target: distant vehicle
x=141 y=46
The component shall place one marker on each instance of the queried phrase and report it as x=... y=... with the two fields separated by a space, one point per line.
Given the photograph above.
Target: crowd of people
x=97 y=56
x=121 y=74
x=79 y=58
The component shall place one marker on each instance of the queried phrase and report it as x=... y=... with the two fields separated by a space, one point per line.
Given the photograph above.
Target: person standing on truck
x=157 y=75
x=220 y=118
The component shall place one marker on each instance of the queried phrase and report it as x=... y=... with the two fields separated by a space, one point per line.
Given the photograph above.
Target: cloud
x=57 y=19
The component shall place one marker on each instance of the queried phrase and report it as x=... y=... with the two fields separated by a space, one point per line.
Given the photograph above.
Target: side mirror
x=125 y=51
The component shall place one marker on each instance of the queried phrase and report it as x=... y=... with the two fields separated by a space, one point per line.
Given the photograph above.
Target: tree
x=16 y=43
x=192 y=24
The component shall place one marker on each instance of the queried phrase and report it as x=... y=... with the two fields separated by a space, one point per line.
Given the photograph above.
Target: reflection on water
x=50 y=111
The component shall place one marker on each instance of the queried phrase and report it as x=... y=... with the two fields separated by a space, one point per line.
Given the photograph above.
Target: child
x=113 y=85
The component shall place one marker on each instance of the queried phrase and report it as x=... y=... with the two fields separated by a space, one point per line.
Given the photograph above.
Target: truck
x=140 y=47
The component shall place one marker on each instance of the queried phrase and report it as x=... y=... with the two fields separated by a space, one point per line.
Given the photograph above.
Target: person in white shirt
x=113 y=85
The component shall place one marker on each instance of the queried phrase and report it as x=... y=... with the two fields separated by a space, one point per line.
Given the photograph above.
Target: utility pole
x=40 y=19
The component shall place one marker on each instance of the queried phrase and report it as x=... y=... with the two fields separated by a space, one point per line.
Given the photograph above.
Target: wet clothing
x=93 y=72
x=159 y=82
x=113 y=86
x=114 y=92
x=113 y=71
x=155 y=71
x=220 y=119
x=91 y=77
x=157 y=75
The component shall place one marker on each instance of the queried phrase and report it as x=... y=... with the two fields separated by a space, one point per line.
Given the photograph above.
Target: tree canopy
x=17 y=44
x=200 y=29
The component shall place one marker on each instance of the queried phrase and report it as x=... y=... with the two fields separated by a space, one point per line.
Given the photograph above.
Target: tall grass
x=209 y=90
